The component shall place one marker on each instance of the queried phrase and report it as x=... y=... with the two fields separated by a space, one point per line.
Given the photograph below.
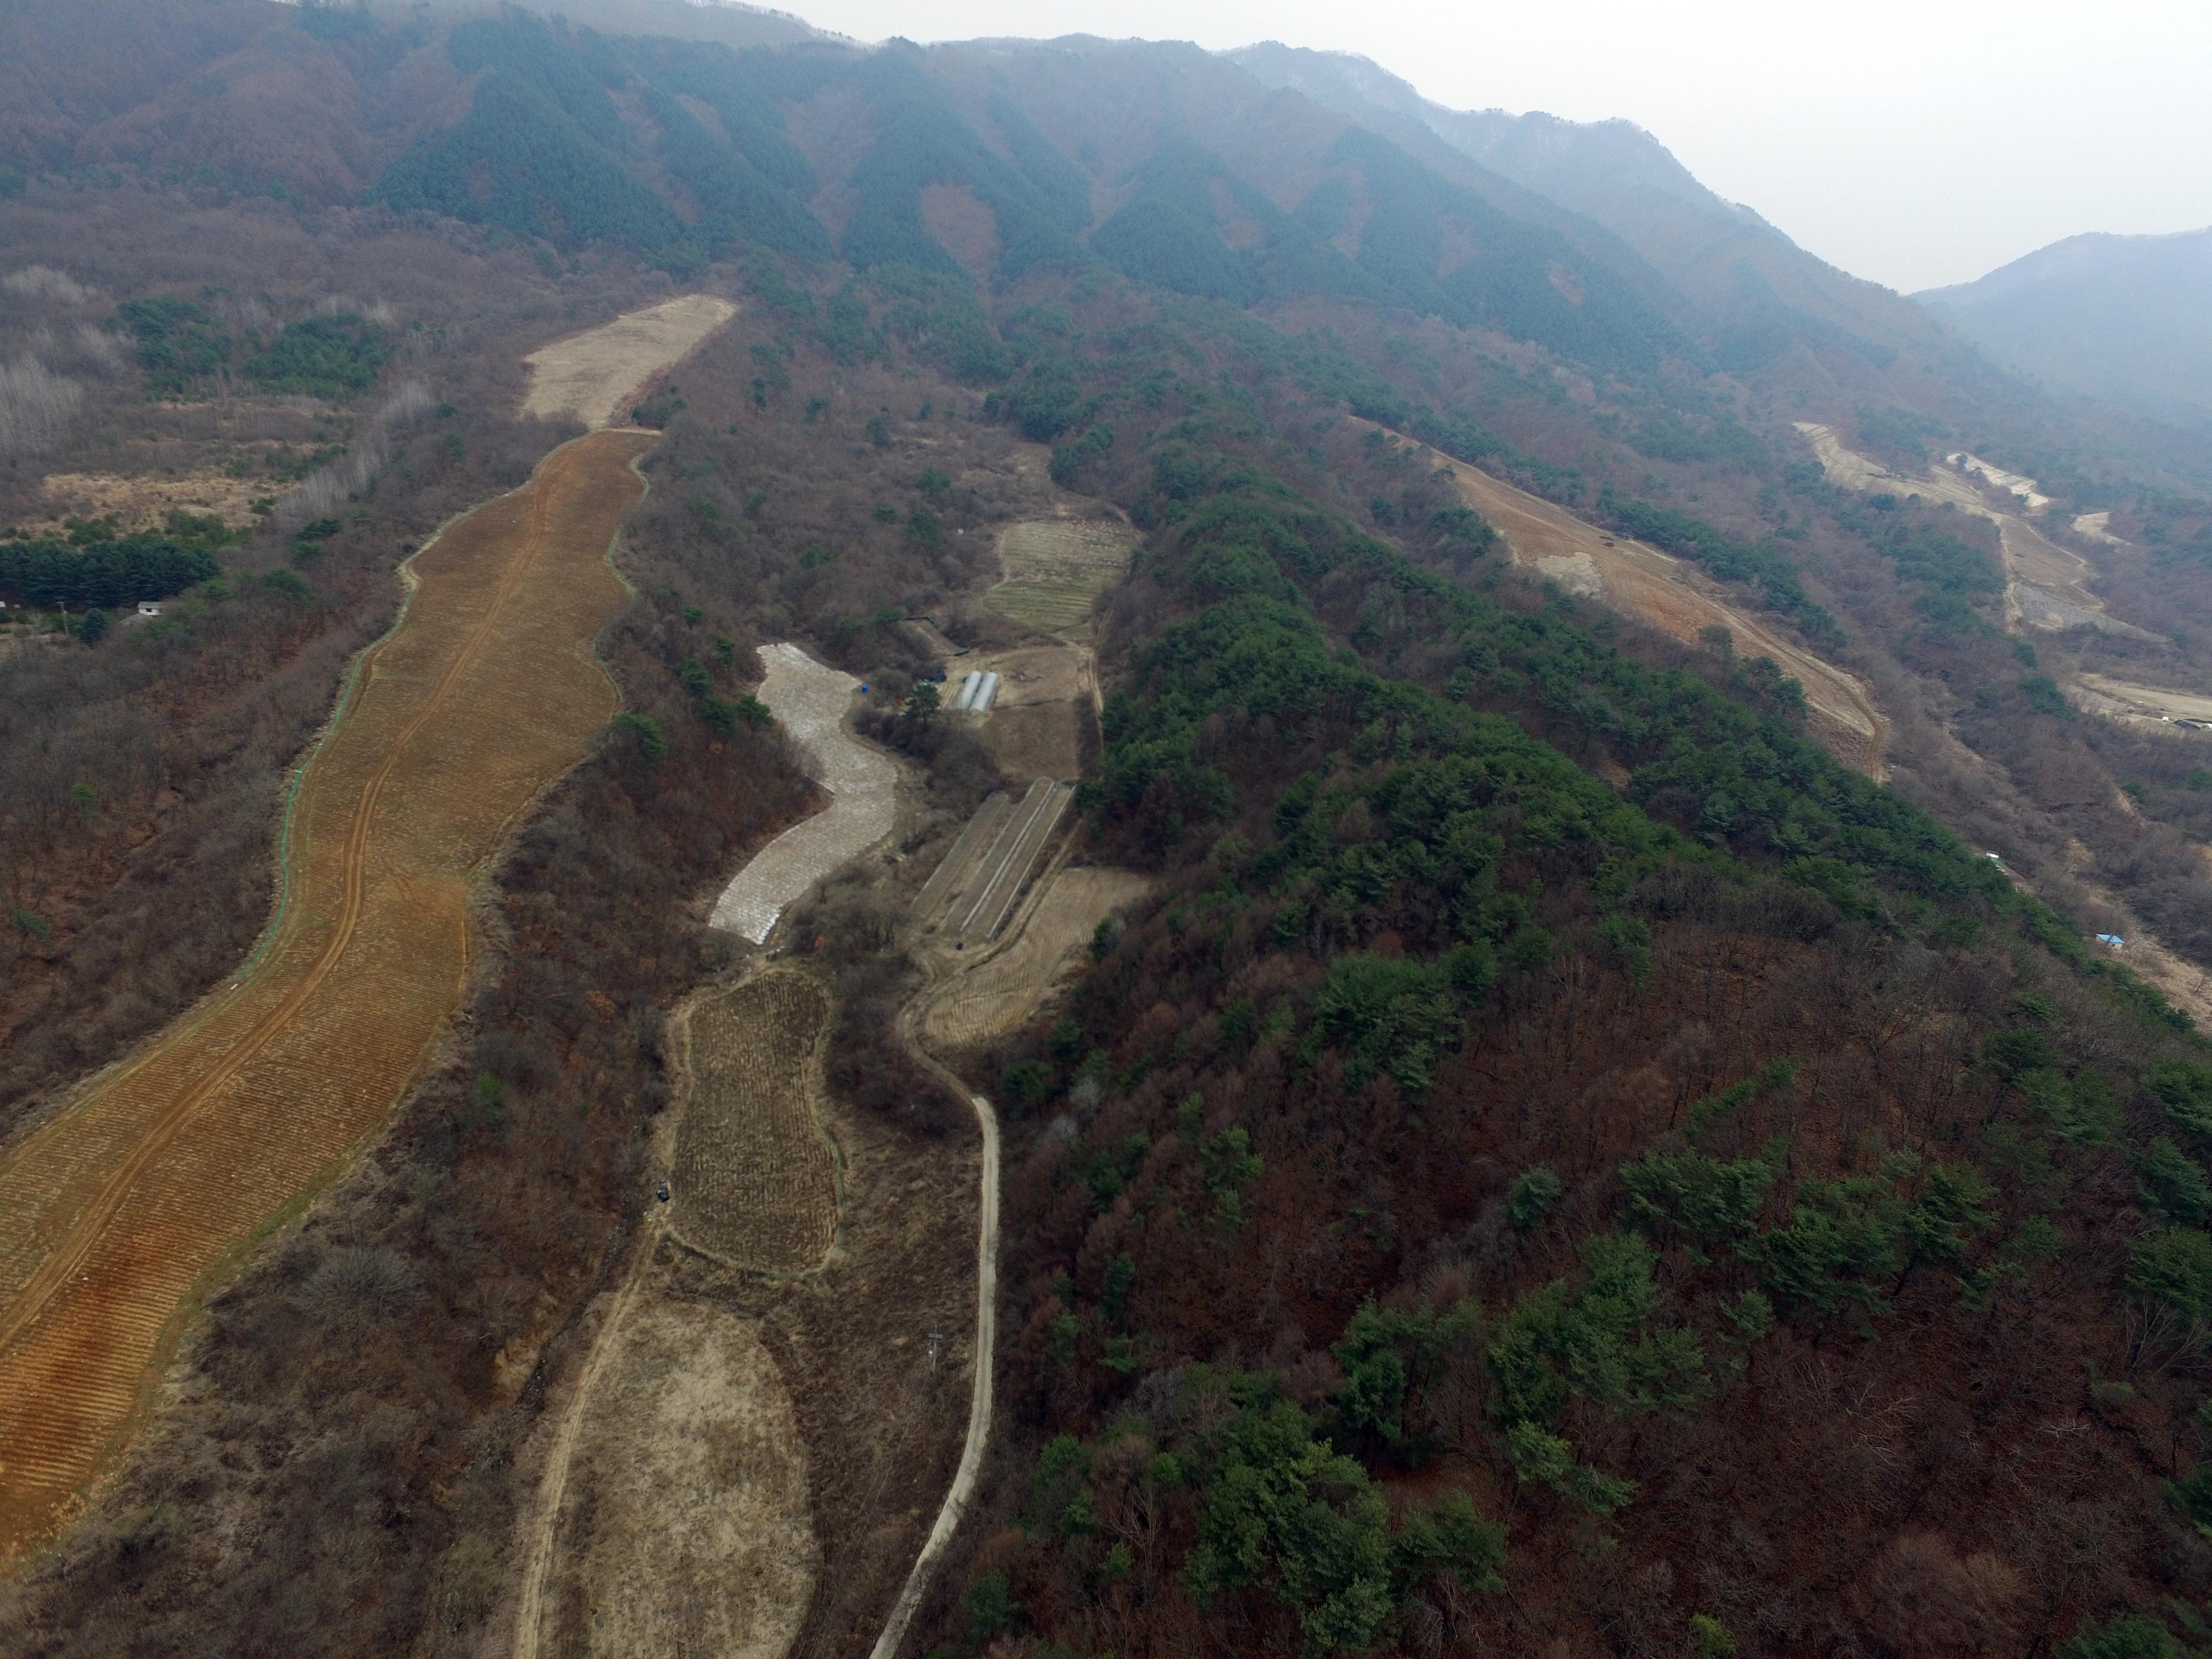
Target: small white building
x=148 y=608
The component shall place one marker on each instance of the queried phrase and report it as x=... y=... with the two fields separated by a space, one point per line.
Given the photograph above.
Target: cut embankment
x=2120 y=700
x=162 y=1169
x=1662 y=591
x=593 y=375
x=756 y=1178
x=810 y=701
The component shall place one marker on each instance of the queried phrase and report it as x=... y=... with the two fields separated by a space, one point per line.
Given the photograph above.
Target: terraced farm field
x=973 y=893
x=1055 y=567
x=756 y=1179
x=992 y=996
x=116 y=1212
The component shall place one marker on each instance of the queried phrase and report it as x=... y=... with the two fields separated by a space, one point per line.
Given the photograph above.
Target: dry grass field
x=994 y=994
x=139 y=501
x=116 y=1212
x=1668 y=595
x=1055 y=567
x=755 y=1181
x=686 y=1526
x=593 y=375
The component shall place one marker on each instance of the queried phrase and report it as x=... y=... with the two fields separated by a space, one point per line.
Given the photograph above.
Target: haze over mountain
x=2124 y=318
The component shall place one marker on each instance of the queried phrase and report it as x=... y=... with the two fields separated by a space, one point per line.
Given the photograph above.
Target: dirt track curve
x=117 y=1213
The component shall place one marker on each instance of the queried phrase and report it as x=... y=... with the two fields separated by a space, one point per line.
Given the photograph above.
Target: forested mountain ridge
x=1767 y=304
x=1559 y=1162
x=408 y=104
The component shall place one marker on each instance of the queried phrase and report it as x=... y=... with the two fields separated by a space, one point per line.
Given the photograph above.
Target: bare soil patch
x=812 y=701
x=1035 y=674
x=1669 y=595
x=1055 y=568
x=994 y=994
x=595 y=375
x=686 y=1525
x=119 y=1210
x=1041 y=740
x=756 y=1178
x=2119 y=700
x=1033 y=728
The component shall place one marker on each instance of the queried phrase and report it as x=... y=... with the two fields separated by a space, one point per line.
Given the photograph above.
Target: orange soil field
x=118 y=1213
x=756 y=1179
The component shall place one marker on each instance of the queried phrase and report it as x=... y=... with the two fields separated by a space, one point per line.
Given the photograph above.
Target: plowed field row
x=164 y=1166
x=756 y=1179
x=1056 y=569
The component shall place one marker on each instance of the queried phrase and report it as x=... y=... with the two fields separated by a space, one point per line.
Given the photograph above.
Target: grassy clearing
x=686 y=1527
x=1056 y=567
x=756 y=1179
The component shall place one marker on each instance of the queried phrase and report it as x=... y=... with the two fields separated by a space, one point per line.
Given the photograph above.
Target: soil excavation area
x=1664 y=592
x=2146 y=704
x=594 y=374
x=156 y=1174
x=2046 y=586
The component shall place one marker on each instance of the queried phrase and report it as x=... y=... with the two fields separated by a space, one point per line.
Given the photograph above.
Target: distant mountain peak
x=2117 y=316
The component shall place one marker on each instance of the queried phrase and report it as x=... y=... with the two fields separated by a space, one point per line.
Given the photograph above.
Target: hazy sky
x=1913 y=143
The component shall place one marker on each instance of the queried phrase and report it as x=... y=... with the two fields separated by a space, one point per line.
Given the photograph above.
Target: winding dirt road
x=117 y=1213
x=955 y=1507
